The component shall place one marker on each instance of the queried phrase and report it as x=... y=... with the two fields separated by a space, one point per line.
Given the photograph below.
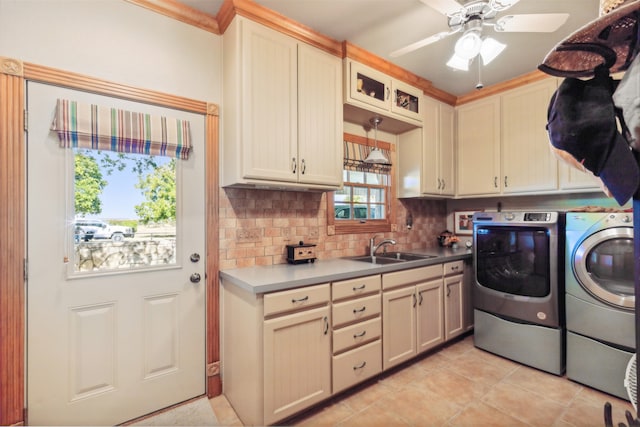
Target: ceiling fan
x=470 y=18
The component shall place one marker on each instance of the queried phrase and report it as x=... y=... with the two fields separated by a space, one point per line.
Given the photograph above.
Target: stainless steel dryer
x=518 y=290
x=599 y=280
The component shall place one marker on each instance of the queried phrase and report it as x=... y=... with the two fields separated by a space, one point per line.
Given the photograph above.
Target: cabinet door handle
x=360 y=366
x=294 y=165
x=388 y=92
x=439 y=184
x=359 y=288
x=415 y=300
x=420 y=302
x=303 y=167
x=495 y=182
x=293 y=300
x=326 y=325
x=505 y=181
x=359 y=310
x=448 y=290
x=360 y=335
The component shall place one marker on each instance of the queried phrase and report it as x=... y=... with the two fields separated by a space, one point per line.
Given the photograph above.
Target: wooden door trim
x=13 y=76
x=12 y=243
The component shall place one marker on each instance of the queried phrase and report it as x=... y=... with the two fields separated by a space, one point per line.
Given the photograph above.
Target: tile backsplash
x=256 y=226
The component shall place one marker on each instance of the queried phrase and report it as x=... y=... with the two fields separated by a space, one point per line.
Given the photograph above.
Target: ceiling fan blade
x=445 y=7
x=533 y=23
x=421 y=43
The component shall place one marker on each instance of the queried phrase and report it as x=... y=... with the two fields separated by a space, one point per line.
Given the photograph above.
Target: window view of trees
x=125 y=211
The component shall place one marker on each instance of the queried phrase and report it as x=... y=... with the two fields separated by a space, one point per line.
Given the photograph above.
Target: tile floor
x=458 y=385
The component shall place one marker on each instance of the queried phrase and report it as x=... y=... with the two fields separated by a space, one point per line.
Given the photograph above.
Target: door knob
x=195 y=257
x=195 y=278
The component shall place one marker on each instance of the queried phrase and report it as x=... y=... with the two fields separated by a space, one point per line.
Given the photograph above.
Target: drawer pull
x=360 y=366
x=359 y=310
x=456 y=268
x=293 y=301
x=360 y=335
x=359 y=288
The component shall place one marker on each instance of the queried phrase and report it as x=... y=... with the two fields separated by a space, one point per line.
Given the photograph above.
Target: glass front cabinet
x=374 y=88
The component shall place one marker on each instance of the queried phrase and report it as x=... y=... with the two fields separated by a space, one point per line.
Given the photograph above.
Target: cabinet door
x=319 y=117
x=369 y=86
x=430 y=328
x=573 y=179
x=478 y=169
x=297 y=362
x=406 y=100
x=527 y=162
x=269 y=104
x=446 y=150
x=398 y=326
x=453 y=308
x=431 y=181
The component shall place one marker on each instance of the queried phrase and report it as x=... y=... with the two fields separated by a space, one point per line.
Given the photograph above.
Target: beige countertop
x=278 y=277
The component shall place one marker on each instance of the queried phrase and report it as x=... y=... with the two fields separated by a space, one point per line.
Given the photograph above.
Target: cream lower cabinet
x=411 y=312
x=276 y=351
x=454 y=309
x=357 y=331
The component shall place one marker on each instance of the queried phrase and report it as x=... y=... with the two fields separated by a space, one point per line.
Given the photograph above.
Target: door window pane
x=124 y=211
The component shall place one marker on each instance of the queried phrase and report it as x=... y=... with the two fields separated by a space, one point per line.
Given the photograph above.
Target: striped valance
x=354 y=155
x=110 y=129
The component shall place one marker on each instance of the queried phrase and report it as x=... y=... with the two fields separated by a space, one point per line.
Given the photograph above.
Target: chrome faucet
x=373 y=247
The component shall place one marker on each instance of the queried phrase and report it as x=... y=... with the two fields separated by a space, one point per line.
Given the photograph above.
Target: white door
x=105 y=346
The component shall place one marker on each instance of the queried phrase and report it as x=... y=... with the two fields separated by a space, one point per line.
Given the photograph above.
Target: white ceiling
x=382 y=26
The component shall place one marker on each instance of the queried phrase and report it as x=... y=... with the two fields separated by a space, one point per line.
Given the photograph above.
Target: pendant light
x=376 y=155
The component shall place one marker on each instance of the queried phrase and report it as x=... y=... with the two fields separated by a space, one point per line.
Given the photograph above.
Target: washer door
x=603 y=265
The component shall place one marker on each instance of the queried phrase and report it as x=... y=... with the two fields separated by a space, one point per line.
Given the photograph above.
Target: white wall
x=116 y=41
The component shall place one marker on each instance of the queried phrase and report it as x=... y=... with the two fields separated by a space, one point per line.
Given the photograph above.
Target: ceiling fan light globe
x=468 y=46
x=458 y=63
x=490 y=49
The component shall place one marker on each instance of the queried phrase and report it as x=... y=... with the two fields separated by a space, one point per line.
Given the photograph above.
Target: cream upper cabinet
x=426 y=159
x=503 y=146
x=372 y=90
x=528 y=164
x=478 y=171
x=573 y=179
x=438 y=169
x=282 y=113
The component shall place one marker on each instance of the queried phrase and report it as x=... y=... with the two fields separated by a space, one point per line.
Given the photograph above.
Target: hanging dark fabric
x=354 y=155
x=110 y=129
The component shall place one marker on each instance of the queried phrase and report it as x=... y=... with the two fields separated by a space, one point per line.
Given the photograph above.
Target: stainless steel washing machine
x=599 y=283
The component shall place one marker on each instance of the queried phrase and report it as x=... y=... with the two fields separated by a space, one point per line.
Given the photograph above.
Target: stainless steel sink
x=392 y=257
x=404 y=256
x=377 y=259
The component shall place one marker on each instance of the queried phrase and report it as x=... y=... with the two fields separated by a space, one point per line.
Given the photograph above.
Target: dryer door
x=603 y=264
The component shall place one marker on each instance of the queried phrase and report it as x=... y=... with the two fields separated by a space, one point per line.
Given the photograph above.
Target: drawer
x=408 y=277
x=294 y=299
x=454 y=267
x=355 y=287
x=354 y=335
x=354 y=310
x=356 y=365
